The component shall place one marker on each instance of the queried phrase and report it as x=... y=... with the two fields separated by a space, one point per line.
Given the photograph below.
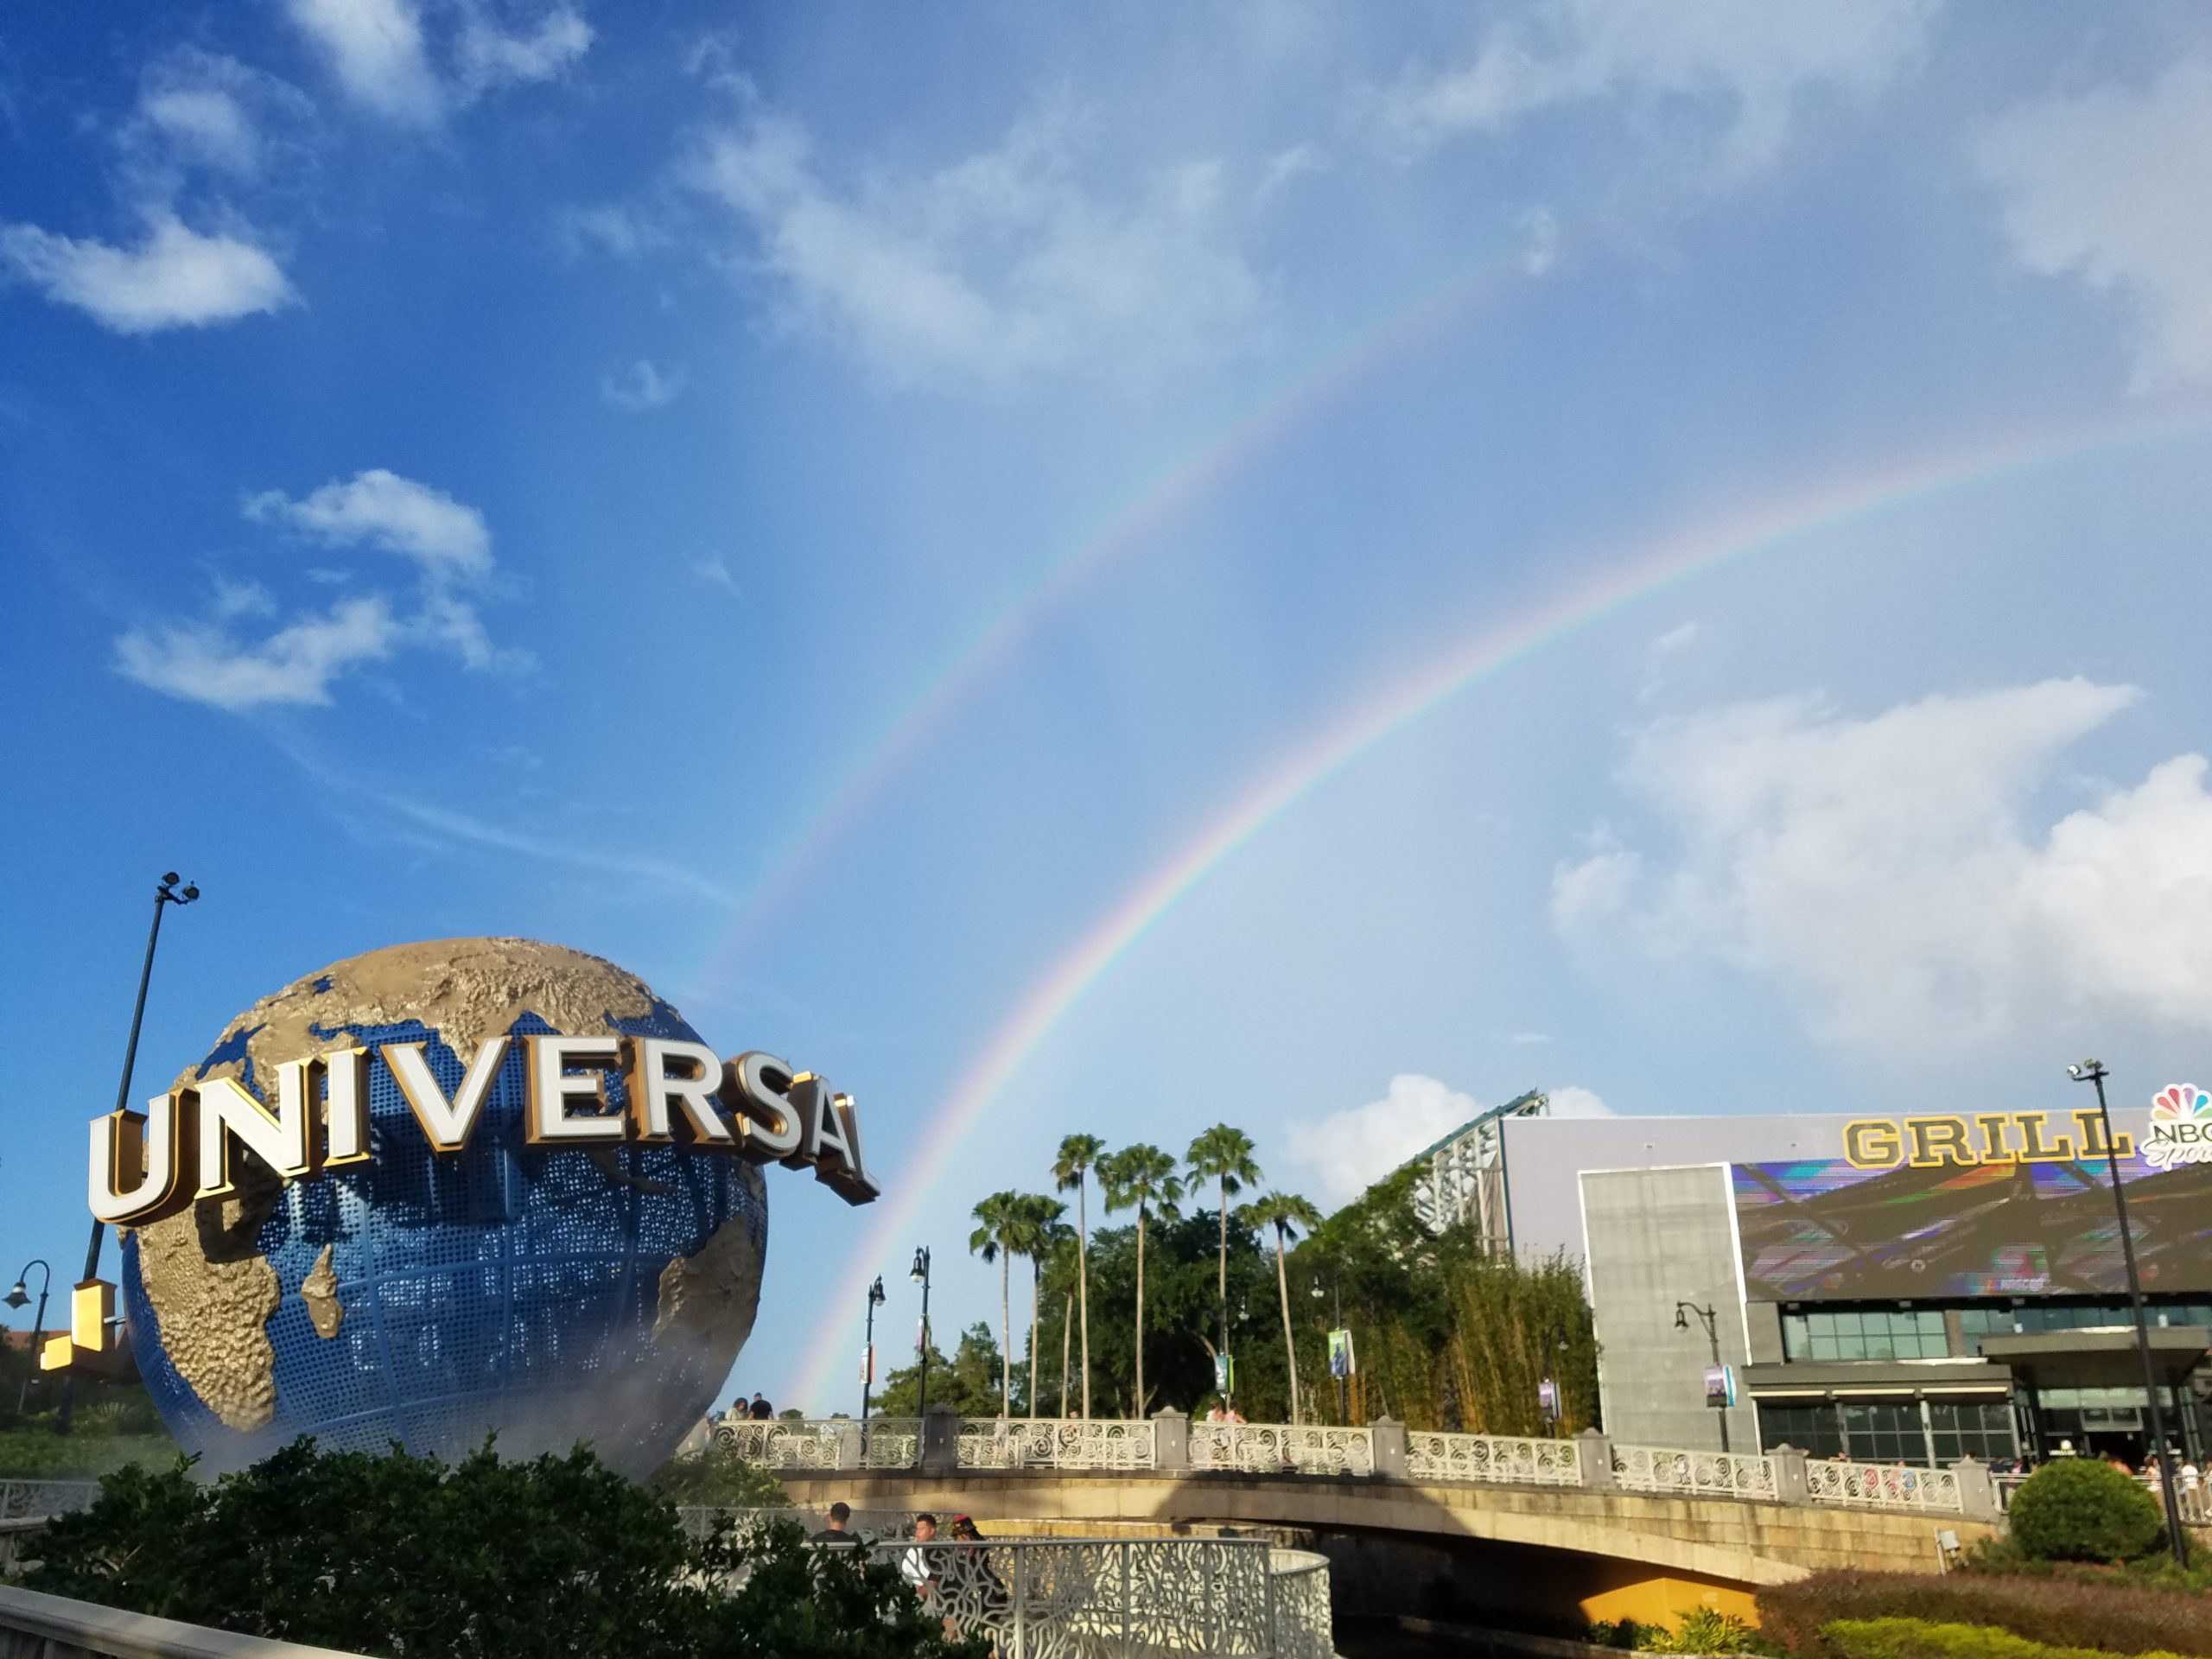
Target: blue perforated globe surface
x=503 y=1289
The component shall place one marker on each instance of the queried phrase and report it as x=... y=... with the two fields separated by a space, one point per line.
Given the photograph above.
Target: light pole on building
x=16 y=1298
x=1709 y=1317
x=166 y=894
x=2092 y=1071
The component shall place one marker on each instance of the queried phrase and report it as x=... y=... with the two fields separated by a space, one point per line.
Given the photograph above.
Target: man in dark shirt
x=762 y=1411
x=835 y=1533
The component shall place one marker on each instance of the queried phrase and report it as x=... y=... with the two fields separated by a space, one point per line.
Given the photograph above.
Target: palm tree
x=1143 y=1178
x=1287 y=1213
x=1034 y=1226
x=1078 y=1155
x=1223 y=1155
x=999 y=1216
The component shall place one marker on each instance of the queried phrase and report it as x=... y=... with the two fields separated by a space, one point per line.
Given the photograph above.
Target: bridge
x=1611 y=1530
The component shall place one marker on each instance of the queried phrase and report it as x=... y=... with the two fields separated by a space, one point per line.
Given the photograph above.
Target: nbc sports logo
x=2181 y=1127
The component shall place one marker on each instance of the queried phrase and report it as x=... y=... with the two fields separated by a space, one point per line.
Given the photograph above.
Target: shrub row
x=2057 y=1612
x=1916 y=1638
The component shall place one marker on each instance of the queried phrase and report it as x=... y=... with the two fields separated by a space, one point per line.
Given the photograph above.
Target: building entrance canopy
x=2091 y=1359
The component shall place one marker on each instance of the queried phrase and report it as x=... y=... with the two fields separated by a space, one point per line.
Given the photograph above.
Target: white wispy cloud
x=1349 y=1151
x=2113 y=187
x=714 y=571
x=640 y=387
x=1001 y=265
x=446 y=542
x=379 y=509
x=174 y=277
x=1750 y=62
x=1887 y=873
x=381 y=56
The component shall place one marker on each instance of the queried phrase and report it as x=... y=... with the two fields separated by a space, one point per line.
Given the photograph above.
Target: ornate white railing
x=1277 y=1448
x=29 y=1500
x=1124 y=1598
x=1043 y=1443
x=1671 y=1469
x=891 y=1443
x=1511 y=1458
x=783 y=1443
x=1882 y=1486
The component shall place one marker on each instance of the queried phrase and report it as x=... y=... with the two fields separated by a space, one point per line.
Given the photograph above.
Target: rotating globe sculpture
x=546 y=1295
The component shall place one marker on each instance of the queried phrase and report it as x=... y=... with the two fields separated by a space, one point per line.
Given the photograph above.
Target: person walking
x=840 y=1516
x=918 y=1566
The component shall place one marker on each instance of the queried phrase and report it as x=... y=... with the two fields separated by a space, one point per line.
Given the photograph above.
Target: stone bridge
x=1611 y=1531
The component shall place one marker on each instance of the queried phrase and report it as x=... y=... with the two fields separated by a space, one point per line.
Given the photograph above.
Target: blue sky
x=493 y=468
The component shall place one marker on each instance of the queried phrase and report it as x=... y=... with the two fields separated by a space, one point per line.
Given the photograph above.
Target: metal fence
x=1890 y=1486
x=1279 y=1448
x=1504 y=1459
x=29 y=1500
x=1705 y=1474
x=1083 y=1443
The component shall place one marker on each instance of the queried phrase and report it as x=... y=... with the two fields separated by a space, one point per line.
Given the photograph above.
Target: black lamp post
x=867 y=1360
x=920 y=1276
x=1709 y=1317
x=16 y=1298
x=2092 y=1071
x=166 y=893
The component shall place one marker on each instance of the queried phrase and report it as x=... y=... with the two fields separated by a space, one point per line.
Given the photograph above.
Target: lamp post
x=2092 y=1071
x=16 y=1298
x=867 y=1356
x=1337 y=1316
x=920 y=1276
x=1709 y=1317
x=166 y=893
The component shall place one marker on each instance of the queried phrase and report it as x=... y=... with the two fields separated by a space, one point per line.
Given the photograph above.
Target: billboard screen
x=1833 y=1229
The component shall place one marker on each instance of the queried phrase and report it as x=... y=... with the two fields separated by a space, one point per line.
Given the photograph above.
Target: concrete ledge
x=54 y=1627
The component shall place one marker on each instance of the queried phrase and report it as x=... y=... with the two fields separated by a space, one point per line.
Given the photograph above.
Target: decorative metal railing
x=784 y=1444
x=1884 y=1486
x=1044 y=1443
x=29 y=1500
x=1709 y=1474
x=1510 y=1459
x=891 y=1442
x=1124 y=1598
x=1277 y=1448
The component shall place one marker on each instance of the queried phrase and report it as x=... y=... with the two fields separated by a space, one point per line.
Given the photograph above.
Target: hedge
x=1916 y=1638
x=2057 y=1612
x=2080 y=1509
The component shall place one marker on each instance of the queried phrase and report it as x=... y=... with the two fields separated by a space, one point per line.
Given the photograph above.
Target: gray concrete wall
x=1655 y=1237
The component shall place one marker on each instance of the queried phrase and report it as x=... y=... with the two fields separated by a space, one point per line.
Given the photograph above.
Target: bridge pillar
x=1791 y=1484
x=1171 y=1439
x=940 y=1454
x=1597 y=1450
x=1978 y=1497
x=1389 y=1435
x=848 y=1446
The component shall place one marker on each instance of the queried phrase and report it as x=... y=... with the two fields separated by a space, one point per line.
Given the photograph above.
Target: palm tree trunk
x=1289 y=1344
x=1067 y=1337
x=1223 y=1283
x=1138 y=1411
x=1083 y=1278
x=1036 y=1276
x=1005 y=1337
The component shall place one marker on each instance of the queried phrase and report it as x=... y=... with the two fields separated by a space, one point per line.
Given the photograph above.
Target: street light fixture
x=166 y=893
x=16 y=1298
x=868 y=1356
x=2092 y=1071
x=920 y=1276
x=1709 y=1317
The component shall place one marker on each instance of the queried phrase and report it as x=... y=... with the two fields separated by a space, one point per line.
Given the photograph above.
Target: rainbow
x=1267 y=420
x=1639 y=574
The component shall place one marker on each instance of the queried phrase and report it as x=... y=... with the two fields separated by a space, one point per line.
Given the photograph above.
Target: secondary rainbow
x=1640 y=573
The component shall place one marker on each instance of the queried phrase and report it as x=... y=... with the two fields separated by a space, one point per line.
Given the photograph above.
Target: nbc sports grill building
x=1915 y=1287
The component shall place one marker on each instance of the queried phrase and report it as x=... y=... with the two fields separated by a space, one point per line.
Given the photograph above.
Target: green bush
x=485 y=1560
x=2079 y=1510
x=41 y=1455
x=2058 y=1612
x=1916 y=1638
x=718 y=1479
x=1702 y=1631
x=2158 y=1571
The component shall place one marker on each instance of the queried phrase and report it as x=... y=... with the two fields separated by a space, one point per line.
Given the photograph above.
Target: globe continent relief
x=544 y=1295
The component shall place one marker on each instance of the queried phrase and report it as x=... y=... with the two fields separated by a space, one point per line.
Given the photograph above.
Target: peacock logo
x=2181 y=1127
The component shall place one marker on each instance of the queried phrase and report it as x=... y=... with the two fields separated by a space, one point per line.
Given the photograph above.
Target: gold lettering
x=1995 y=1149
x=1935 y=1135
x=2032 y=1150
x=1871 y=1143
x=2091 y=1123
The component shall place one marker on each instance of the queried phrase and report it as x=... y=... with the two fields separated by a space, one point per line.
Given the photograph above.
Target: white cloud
x=382 y=509
x=1674 y=639
x=1890 y=875
x=640 y=387
x=2114 y=187
x=447 y=543
x=201 y=108
x=175 y=278
x=1350 y=1150
x=1525 y=1038
x=1001 y=265
x=1752 y=59
x=715 y=572
x=489 y=59
x=378 y=51
x=375 y=48
x=203 y=663
x=1571 y=1102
